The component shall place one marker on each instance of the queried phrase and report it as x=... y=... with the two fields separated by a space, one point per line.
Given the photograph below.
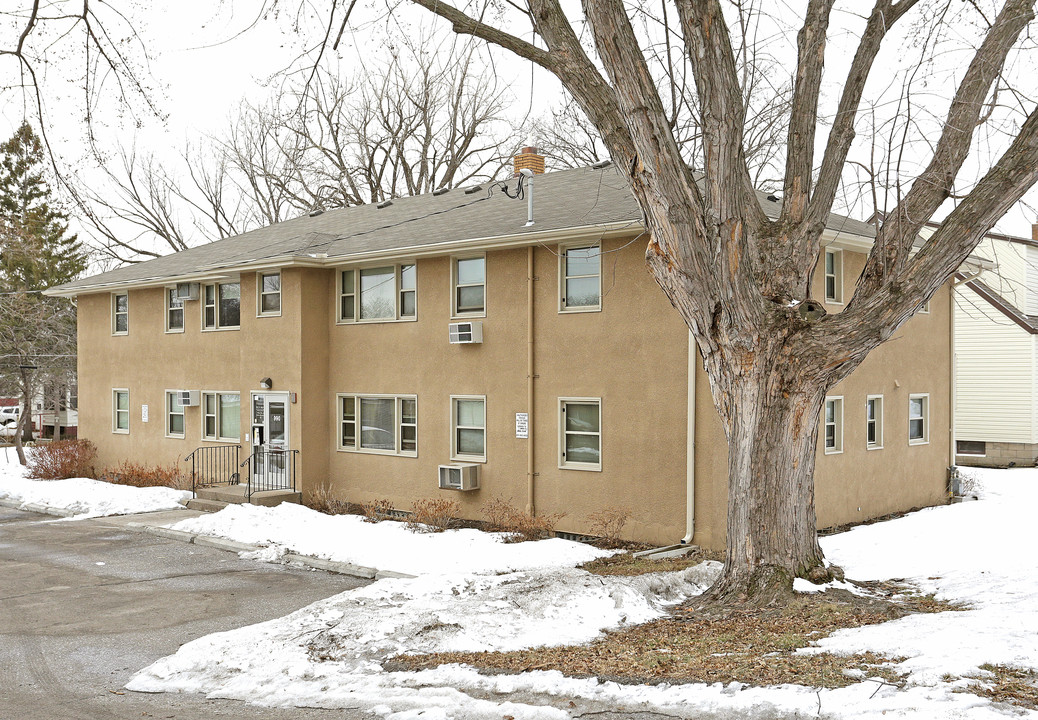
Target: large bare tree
x=741 y=280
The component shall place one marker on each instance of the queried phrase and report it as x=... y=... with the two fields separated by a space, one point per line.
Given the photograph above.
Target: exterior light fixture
x=266 y=383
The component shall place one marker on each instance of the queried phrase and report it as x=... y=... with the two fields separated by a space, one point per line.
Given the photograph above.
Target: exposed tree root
x=768 y=586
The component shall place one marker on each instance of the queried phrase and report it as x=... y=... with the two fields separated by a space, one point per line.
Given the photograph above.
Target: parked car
x=9 y=414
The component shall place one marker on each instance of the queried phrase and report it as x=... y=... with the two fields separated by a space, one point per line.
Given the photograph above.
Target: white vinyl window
x=874 y=422
x=468 y=428
x=833 y=276
x=580 y=433
x=221 y=306
x=121 y=411
x=120 y=313
x=221 y=416
x=174 y=311
x=268 y=285
x=174 y=415
x=381 y=294
x=833 y=421
x=470 y=287
x=383 y=424
x=580 y=278
x=918 y=419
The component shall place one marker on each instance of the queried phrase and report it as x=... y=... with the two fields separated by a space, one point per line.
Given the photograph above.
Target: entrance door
x=270 y=438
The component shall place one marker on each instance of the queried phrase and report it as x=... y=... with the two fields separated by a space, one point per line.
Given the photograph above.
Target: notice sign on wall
x=144 y=413
x=522 y=425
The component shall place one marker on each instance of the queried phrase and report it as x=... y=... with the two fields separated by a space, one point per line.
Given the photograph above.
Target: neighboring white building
x=996 y=356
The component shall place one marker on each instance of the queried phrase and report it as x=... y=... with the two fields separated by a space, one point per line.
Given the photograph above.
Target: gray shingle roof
x=564 y=200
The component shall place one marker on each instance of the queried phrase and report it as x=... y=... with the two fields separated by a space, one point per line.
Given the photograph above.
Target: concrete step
x=222 y=495
x=205 y=505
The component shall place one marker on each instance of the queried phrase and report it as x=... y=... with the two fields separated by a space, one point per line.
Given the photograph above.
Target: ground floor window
x=221 y=416
x=385 y=424
x=174 y=415
x=121 y=411
x=468 y=428
x=834 y=425
x=580 y=436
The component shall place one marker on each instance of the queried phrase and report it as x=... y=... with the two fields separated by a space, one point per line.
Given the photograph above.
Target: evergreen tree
x=35 y=250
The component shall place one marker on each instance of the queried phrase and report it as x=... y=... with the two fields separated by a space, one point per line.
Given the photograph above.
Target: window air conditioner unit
x=459 y=477
x=188 y=398
x=187 y=291
x=465 y=333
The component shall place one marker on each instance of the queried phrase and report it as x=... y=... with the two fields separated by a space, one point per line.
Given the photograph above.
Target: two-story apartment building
x=383 y=341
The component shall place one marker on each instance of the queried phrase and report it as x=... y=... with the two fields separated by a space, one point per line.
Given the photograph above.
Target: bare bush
x=62 y=459
x=518 y=526
x=323 y=500
x=378 y=510
x=141 y=475
x=608 y=523
x=433 y=515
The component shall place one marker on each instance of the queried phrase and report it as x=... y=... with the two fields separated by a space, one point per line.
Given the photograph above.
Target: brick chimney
x=529 y=159
x=1034 y=232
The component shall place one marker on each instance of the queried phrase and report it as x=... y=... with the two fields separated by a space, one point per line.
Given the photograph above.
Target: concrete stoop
x=211 y=499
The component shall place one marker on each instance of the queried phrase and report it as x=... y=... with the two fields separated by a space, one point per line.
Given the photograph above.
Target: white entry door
x=270 y=441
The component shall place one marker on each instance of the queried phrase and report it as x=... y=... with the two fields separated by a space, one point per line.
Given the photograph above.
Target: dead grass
x=323 y=500
x=502 y=516
x=141 y=475
x=628 y=564
x=432 y=515
x=754 y=647
x=378 y=510
x=1009 y=685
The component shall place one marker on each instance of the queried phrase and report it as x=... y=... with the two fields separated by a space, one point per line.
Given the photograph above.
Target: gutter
x=690 y=453
x=530 y=474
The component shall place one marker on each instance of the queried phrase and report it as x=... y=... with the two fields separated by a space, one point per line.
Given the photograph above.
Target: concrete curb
x=36 y=508
x=332 y=566
x=164 y=532
x=224 y=544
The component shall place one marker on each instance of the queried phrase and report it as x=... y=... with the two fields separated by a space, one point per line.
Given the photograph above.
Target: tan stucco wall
x=633 y=354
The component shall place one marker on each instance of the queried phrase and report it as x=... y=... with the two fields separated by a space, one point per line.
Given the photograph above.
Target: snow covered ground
x=80 y=497
x=475 y=593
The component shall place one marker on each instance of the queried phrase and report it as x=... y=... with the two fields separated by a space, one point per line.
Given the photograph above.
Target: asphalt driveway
x=85 y=604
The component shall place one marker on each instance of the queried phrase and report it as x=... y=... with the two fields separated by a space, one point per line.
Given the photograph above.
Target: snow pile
x=386 y=545
x=82 y=497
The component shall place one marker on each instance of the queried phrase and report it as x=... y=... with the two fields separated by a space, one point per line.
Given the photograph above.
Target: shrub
x=323 y=501
x=62 y=459
x=378 y=510
x=502 y=516
x=433 y=515
x=608 y=523
x=140 y=475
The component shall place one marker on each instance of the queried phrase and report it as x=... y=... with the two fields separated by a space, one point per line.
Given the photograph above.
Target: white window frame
x=837 y=275
x=565 y=464
x=398 y=293
x=563 y=250
x=455 y=313
x=172 y=394
x=115 y=411
x=217 y=415
x=925 y=439
x=170 y=294
x=398 y=424
x=465 y=457
x=877 y=421
x=837 y=423
x=217 y=326
x=116 y=313
x=261 y=293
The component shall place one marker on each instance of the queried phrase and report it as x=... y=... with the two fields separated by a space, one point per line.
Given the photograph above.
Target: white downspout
x=690 y=453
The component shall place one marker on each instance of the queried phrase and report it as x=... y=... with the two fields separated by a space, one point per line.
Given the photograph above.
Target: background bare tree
x=741 y=281
x=412 y=124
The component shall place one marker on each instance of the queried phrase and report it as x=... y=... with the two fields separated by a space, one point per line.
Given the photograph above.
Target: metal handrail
x=279 y=475
x=214 y=465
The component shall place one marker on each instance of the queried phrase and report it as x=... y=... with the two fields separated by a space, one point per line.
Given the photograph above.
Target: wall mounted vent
x=459 y=477
x=465 y=333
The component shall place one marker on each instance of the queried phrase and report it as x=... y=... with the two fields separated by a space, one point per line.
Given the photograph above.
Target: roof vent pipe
x=528 y=174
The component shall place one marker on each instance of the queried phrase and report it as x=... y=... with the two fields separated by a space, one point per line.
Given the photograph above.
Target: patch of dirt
x=628 y=564
x=1009 y=685
x=757 y=647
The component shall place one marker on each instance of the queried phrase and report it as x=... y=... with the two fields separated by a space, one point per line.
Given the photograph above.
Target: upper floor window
x=174 y=311
x=918 y=419
x=834 y=276
x=470 y=286
x=833 y=425
x=269 y=287
x=381 y=294
x=580 y=444
x=221 y=306
x=120 y=313
x=379 y=423
x=121 y=411
x=874 y=422
x=580 y=277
